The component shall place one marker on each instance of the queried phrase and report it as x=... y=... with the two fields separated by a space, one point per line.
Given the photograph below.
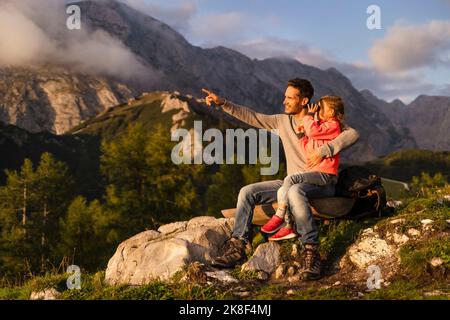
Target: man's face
x=293 y=102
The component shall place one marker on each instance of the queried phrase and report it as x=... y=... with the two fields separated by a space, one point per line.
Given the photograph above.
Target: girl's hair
x=337 y=105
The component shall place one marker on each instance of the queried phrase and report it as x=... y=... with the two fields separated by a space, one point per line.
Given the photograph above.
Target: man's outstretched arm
x=244 y=114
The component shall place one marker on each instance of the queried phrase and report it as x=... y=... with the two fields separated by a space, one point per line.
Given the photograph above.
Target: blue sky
x=409 y=56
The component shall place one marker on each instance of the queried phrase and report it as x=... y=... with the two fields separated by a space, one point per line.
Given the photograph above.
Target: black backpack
x=366 y=188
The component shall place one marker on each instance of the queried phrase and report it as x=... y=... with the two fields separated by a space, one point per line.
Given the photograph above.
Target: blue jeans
x=266 y=193
x=317 y=178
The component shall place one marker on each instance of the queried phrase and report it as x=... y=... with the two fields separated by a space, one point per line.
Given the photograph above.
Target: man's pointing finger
x=206 y=91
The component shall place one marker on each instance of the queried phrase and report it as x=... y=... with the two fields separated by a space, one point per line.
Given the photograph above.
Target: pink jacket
x=318 y=133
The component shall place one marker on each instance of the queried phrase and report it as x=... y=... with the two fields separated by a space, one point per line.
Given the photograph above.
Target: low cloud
x=34 y=33
x=411 y=47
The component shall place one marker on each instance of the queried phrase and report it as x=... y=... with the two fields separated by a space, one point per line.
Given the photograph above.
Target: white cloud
x=411 y=47
x=34 y=32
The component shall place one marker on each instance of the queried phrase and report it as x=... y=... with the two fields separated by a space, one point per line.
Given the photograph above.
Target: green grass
x=416 y=257
x=415 y=210
x=279 y=292
x=94 y=288
x=405 y=289
x=338 y=235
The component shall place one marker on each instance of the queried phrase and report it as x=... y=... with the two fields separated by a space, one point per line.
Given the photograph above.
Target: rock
x=447 y=197
x=280 y=272
x=263 y=276
x=394 y=203
x=436 y=262
x=171 y=102
x=294 y=279
x=413 y=232
x=397 y=238
x=291 y=271
x=47 y=294
x=49 y=99
x=244 y=294
x=265 y=258
x=294 y=252
x=426 y=221
x=337 y=283
x=126 y=248
x=173 y=227
x=369 y=249
x=290 y=292
x=397 y=221
x=427 y=224
x=436 y=293
x=222 y=276
x=153 y=255
x=208 y=221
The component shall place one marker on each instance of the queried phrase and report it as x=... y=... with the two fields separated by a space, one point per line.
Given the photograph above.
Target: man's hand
x=313 y=159
x=212 y=97
x=313 y=108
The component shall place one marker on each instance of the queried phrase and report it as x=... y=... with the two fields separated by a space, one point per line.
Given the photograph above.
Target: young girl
x=317 y=133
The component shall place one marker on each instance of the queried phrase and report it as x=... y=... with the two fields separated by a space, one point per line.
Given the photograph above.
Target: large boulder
x=370 y=249
x=266 y=258
x=160 y=254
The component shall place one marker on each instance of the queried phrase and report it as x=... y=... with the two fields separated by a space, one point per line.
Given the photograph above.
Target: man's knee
x=246 y=193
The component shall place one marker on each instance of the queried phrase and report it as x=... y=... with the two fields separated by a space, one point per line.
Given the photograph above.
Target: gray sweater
x=289 y=134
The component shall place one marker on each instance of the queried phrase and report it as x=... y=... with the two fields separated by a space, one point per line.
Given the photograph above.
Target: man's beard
x=293 y=111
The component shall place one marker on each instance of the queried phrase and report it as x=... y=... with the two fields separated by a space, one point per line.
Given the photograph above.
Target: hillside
x=410 y=249
x=52 y=99
x=404 y=165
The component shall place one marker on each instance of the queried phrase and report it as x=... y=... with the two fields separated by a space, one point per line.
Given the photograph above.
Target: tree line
x=45 y=225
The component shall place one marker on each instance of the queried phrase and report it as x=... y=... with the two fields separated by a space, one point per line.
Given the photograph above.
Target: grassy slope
x=403 y=165
x=415 y=280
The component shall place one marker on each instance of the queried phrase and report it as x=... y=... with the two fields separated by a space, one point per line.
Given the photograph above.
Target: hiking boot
x=234 y=252
x=275 y=223
x=311 y=264
x=283 y=234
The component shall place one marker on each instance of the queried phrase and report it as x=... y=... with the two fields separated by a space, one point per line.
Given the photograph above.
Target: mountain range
x=53 y=97
x=426 y=119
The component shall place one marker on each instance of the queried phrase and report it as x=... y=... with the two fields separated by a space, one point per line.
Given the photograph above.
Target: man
x=297 y=96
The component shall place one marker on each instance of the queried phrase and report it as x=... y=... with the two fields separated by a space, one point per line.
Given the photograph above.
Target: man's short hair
x=304 y=86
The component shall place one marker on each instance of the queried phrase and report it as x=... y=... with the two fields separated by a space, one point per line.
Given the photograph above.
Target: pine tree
x=86 y=237
x=145 y=187
x=32 y=203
